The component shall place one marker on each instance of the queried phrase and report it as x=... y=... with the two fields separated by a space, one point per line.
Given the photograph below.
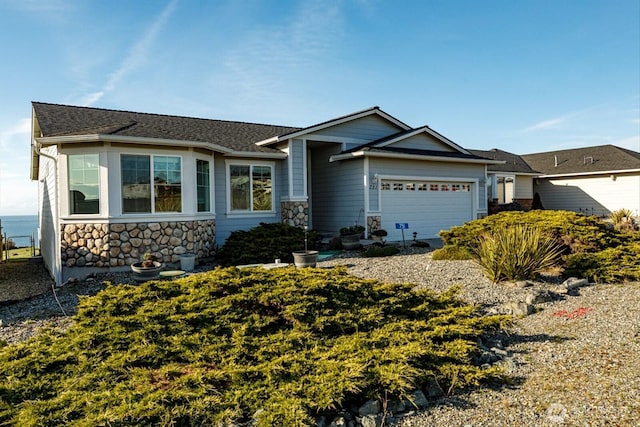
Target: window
x=433 y=187
x=137 y=191
x=397 y=186
x=251 y=188
x=422 y=186
x=466 y=187
x=410 y=186
x=385 y=186
x=84 y=184
x=203 y=188
x=444 y=187
x=455 y=187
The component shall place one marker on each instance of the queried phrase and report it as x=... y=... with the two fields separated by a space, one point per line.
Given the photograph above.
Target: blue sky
x=519 y=75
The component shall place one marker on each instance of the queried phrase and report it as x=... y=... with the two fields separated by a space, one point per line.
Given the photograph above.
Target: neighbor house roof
x=584 y=161
x=56 y=120
x=512 y=162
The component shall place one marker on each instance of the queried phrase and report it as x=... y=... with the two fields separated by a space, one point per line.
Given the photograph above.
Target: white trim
x=97 y=137
x=294 y=199
x=335 y=139
x=151 y=184
x=367 y=204
x=562 y=175
x=212 y=184
x=305 y=171
x=249 y=213
x=366 y=153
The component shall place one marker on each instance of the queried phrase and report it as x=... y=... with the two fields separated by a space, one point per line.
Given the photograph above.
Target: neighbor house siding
x=593 y=196
x=337 y=190
x=48 y=218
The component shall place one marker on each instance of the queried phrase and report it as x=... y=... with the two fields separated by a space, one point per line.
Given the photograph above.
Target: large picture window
x=84 y=184
x=203 y=186
x=137 y=191
x=251 y=188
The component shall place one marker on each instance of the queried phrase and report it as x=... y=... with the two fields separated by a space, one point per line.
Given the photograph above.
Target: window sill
x=254 y=214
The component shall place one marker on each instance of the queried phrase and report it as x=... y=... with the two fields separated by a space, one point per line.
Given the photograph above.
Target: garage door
x=425 y=206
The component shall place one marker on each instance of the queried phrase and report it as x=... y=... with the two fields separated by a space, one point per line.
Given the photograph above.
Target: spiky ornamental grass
x=220 y=347
x=515 y=252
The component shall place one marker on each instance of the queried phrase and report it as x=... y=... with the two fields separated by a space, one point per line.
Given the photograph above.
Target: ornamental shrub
x=220 y=348
x=517 y=252
x=575 y=232
x=611 y=265
x=380 y=251
x=263 y=244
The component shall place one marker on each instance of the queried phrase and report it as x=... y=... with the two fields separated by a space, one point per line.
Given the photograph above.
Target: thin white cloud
x=136 y=56
x=546 y=124
x=18 y=132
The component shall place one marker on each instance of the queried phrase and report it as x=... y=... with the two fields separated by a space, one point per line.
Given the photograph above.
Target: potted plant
x=305 y=258
x=147 y=269
x=379 y=235
x=350 y=237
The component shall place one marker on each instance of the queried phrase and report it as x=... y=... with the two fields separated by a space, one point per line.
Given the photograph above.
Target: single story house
x=116 y=184
x=592 y=180
x=510 y=181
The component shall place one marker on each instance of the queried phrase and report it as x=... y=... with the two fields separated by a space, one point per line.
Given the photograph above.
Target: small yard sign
x=402 y=225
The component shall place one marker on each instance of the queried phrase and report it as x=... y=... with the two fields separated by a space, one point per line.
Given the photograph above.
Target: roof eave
x=607 y=172
x=363 y=153
x=76 y=139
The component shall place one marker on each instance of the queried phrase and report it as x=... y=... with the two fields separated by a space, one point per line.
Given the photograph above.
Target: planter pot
x=187 y=262
x=350 y=242
x=305 y=258
x=142 y=274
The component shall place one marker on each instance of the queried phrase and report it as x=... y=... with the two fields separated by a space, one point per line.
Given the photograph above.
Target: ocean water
x=19 y=228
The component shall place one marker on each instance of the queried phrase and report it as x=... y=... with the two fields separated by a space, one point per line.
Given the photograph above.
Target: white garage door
x=425 y=206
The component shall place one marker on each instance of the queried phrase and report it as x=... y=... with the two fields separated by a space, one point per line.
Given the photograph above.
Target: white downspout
x=56 y=222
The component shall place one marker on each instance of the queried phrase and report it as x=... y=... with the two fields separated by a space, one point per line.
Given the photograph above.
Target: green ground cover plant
x=220 y=348
x=590 y=247
x=263 y=244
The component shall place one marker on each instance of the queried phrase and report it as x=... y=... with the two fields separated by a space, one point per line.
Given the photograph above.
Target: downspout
x=56 y=222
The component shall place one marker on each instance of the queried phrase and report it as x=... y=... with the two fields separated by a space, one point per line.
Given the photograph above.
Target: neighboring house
x=591 y=180
x=116 y=184
x=510 y=181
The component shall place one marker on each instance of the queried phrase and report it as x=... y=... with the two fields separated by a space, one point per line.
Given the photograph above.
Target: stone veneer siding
x=116 y=245
x=373 y=223
x=295 y=213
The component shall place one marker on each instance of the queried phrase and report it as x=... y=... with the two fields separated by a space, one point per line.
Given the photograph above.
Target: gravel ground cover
x=574 y=362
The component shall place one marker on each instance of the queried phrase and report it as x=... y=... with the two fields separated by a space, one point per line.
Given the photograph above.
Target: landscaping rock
x=372 y=407
x=518 y=308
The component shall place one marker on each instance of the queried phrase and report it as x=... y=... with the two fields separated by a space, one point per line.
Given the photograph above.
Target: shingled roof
x=581 y=161
x=66 y=120
x=513 y=162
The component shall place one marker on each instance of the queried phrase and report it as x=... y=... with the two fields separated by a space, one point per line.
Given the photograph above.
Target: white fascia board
x=73 y=139
x=306 y=131
x=362 y=153
x=568 y=175
x=256 y=155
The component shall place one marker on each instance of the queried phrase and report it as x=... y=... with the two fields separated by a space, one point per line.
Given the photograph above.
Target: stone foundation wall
x=295 y=213
x=374 y=223
x=116 y=245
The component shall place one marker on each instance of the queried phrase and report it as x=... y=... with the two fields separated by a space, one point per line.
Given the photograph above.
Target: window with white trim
x=138 y=194
x=84 y=184
x=250 y=187
x=203 y=185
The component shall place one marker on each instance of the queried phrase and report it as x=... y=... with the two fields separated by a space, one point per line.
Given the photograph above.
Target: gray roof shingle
x=66 y=120
x=513 y=162
x=597 y=159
